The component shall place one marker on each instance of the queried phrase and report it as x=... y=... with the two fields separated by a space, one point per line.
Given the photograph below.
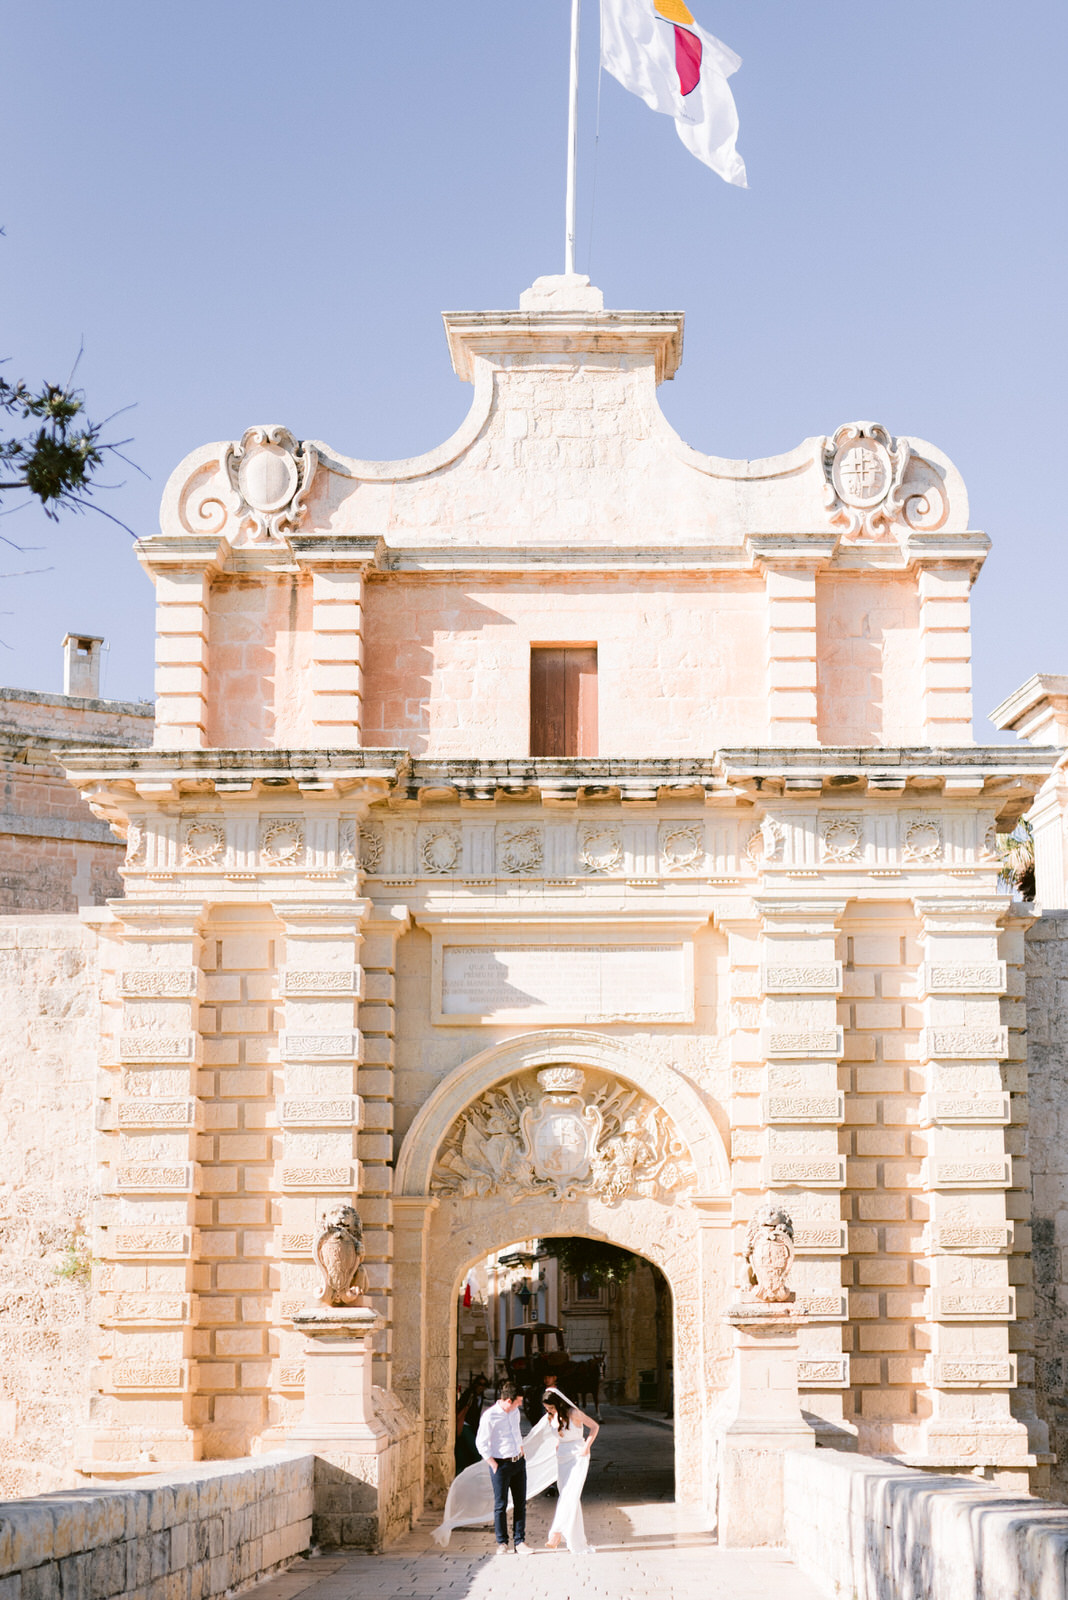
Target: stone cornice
x=495 y=334
x=997 y=773
x=966 y=771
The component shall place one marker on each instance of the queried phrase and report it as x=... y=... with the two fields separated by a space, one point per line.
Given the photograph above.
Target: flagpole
x=572 y=142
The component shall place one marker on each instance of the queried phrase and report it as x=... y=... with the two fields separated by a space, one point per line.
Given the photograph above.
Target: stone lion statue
x=339 y=1252
x=769 y=1254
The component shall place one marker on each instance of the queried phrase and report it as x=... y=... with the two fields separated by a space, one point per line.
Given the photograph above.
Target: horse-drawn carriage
x=535 y=1352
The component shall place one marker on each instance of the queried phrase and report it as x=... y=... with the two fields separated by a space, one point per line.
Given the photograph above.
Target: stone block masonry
x=48 y=1047
x=759 y=932
x=204 y=1531
x=874 y=1530
x=1047 y=1033
x=54 y=854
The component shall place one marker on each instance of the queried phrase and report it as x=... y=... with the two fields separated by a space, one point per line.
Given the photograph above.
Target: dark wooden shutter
x=563 y=700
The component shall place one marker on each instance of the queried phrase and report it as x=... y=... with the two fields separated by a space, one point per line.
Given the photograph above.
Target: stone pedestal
x=341 y=1426
x=338 y=1403
x=760 y=1418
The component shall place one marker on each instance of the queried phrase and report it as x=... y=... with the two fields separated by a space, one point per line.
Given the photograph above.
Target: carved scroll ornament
x=270 y=473
x=872 y=480
x=556 y=1134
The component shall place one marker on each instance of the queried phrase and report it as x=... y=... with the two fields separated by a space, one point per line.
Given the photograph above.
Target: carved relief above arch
x=566 y=1133
x=609 y=1122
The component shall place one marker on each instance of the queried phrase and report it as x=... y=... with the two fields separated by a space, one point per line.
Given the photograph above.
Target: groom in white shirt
x=500 y=1442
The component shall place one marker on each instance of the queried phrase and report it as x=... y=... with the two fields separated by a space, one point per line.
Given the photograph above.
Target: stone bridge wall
x=201 y=1532
x=872 y=1530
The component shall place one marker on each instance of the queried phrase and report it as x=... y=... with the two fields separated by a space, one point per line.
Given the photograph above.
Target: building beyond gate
x=563 y=832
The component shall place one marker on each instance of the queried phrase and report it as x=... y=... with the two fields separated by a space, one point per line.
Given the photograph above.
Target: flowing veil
x=470 y=1499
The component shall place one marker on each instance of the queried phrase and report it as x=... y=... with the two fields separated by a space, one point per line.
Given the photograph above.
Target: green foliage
x=591 y=1258
x=1016 y=854
x=75 y=1265
x=54 y=459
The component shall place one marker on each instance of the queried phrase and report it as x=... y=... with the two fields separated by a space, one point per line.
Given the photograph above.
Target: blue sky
x=255 y=212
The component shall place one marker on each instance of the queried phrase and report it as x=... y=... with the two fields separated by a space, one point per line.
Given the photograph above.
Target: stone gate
x=562 y=831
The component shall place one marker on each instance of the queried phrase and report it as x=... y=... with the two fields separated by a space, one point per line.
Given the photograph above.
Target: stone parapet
x=206 y=1531
x=877 y=1530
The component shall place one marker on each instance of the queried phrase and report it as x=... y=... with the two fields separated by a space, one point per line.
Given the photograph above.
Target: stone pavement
x=646 y=1547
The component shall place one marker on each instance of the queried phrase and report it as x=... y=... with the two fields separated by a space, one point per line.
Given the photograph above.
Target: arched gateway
x=553 y=1133
x=527 y=734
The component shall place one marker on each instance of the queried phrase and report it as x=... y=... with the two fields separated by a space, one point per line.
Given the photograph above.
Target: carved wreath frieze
x=922 y=839
x=282 y=843
x=872 y=480
x=563 y=1133
x=601 y=849
x=370 y=847
x=203 y=844
x=520 y=850
x=440 y=850
x=841 y=839
x=681 y=847
x=270 y=474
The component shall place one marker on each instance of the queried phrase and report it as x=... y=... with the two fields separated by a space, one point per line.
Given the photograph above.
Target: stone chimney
x=81 y=665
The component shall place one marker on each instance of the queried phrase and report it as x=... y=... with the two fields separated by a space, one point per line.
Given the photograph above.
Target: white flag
x=657 y=51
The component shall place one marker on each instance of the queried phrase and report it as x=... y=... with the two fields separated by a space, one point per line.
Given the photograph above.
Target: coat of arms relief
x=565 y=1134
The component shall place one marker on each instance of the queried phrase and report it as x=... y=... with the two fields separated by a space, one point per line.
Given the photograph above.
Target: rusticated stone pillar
x=145 y=1239
x=966 y=1116
x=803 y=1109
x=320 y=983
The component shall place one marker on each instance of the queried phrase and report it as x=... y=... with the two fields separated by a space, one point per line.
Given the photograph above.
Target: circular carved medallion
x=440 y=851
x=681 y=847
x=923 y=841
x=203 y=844
x=282 y=842
x=267 y=478
x=861 y=473
x=602 y=850
x=841 y=840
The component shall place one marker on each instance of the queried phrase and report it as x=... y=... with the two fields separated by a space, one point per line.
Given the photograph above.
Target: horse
x=584 y=1379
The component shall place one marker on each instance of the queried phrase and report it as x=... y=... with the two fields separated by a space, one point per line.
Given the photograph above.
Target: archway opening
x=594 y=1319
x=553 y=1134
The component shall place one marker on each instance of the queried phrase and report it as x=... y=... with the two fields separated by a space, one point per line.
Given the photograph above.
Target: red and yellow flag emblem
x=688 y=49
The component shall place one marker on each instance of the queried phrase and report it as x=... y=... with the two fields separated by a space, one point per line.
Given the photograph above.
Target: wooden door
x=563 y=700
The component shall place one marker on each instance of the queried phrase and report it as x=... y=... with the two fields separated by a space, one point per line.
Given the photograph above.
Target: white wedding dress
x=470 y=1500
x=572 y=1465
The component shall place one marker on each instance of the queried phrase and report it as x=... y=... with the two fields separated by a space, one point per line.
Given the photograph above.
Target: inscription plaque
x=573 y=983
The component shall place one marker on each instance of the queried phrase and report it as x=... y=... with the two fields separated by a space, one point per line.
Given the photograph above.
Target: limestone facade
x=373 y=949
x=54 y=854
x=48 y=1054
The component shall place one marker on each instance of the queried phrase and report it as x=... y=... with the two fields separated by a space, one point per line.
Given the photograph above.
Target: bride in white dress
x=566 y=1424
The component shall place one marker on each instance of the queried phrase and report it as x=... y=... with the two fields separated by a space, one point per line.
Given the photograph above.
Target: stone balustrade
x=192 y=1534
x=874 y=1530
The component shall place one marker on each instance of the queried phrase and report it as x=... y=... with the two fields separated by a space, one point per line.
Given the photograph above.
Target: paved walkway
x=645 y=1547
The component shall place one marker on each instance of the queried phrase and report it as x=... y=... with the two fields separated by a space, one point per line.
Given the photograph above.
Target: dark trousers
x=510 y=1476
